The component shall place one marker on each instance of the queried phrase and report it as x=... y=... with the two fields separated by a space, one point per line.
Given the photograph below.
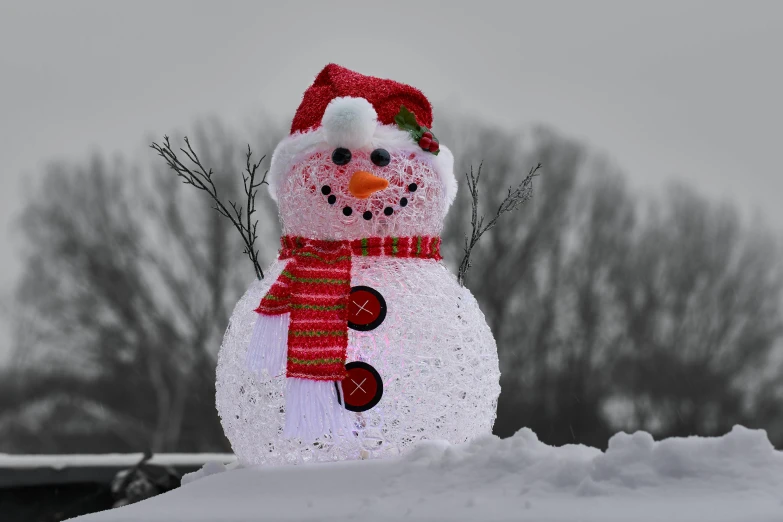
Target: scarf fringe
x=313 y=409
x=268 y=346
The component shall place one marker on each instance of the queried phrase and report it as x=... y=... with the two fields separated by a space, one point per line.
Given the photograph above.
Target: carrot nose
x=364 y=184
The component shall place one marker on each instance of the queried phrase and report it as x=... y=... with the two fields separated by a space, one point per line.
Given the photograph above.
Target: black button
x=412 y=187
x=403 y=202
x=388 y=211
x=341 y=156
x=325 y=190
x=331 y=199
x=367 y=215
x=380 y=157
x=347 y=211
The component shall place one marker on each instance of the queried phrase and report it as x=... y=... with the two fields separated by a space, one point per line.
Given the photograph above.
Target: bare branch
x=201 y=178
x=517 y=196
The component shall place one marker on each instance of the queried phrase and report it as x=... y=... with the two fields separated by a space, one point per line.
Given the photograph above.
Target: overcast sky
x=685 y=90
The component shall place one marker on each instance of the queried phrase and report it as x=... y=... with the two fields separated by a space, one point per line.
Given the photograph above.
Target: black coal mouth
x=331 y=199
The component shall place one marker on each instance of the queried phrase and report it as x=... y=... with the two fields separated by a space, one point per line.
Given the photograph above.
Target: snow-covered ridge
x=736 y=477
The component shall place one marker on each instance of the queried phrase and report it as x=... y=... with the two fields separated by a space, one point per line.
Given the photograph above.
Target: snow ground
x=734 y=478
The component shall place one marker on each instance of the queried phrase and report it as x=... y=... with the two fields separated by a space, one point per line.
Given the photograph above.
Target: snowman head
x=355 y=165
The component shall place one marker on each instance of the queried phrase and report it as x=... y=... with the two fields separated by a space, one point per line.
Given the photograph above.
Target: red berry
x=434 y=146
x=427 y=134
x=425 y=142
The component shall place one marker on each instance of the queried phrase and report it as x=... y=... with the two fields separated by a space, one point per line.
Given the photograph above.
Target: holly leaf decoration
x=406 y=121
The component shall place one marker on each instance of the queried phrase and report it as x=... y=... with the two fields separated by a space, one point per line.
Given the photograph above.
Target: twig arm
x=517 y=196
x=201 y=178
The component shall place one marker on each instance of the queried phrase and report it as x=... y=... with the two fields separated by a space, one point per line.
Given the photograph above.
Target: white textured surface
x=434 y=352
x=305 y=211
x=734 y=478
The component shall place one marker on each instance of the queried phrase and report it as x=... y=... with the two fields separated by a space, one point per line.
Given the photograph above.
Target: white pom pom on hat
x=349 y=122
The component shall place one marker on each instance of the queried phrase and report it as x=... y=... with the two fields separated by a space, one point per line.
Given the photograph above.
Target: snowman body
x=434 y=353
x=420 y=361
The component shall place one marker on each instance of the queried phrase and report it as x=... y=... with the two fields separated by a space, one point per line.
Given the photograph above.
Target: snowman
x=359 y=342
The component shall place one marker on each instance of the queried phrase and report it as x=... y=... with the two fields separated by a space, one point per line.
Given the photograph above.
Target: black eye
x=412 y=187
x=341 y=156
x=325 y=190
x=380 y=157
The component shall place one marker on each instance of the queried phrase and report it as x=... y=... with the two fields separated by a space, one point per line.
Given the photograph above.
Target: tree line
x=613 y=310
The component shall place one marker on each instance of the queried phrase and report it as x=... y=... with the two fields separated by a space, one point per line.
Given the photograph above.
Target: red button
x=366 y=308
x=362 y=387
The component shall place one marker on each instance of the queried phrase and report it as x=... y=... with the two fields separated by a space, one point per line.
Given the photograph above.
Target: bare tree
x=518 y=268
x=702 y=316
x=611 y=310
x=610 y=315
x=132 y=280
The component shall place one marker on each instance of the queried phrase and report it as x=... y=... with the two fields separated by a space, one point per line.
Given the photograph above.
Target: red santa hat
x=343 y=108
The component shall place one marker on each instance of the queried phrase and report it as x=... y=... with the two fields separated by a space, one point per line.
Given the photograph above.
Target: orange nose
x=364 y=184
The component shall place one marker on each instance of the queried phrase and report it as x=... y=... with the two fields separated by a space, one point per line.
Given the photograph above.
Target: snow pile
x=737 y=477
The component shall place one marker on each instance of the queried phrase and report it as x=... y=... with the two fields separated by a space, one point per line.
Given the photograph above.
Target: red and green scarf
x=314 y=288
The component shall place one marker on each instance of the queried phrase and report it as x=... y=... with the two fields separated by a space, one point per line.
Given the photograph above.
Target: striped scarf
x=314 y=288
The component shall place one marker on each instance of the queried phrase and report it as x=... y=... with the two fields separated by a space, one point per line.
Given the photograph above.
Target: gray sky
x=671 y=89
